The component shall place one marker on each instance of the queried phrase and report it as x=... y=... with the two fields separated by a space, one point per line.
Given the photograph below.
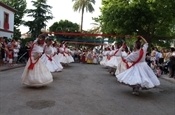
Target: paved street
x=82 y=90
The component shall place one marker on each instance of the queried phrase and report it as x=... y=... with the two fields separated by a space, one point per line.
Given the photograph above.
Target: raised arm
x=143 y=39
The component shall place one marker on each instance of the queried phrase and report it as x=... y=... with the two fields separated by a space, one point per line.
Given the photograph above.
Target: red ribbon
x=109 y=57
x=127 y=66
x=116 y=52
x=67 y=53
x=140 y=57
x=49 y=57
x=31 y=66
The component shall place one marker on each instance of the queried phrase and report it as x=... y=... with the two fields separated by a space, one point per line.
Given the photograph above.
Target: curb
x=9 y=68
x=165 y=77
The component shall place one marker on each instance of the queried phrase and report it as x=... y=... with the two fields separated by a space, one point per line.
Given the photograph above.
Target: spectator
x=158 y=71
x=15 y=52
x=171 y=64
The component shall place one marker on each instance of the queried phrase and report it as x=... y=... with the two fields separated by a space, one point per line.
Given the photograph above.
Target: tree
x=150 y=18
x=64 y=26
x=82 y=5
x=40 y=14
x=20 y=6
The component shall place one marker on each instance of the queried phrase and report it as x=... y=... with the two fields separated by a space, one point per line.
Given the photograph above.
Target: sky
x=63 y=10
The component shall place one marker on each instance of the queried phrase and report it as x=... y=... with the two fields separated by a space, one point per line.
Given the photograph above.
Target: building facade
x=6 y=20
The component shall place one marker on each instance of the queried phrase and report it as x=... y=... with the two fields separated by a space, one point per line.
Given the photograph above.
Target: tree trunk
x=82 y=14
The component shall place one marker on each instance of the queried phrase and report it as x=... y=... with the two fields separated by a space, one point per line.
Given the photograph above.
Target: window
x=6 y=21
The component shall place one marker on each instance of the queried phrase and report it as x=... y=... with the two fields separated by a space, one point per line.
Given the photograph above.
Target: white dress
x=140 y=73
x=62 y=56
x=69 y=57
x=56 y=58
x=115 y=59
x=49 y=61
x=95 y=58
x=104 y=60
x=39 y=75
x=122 y=65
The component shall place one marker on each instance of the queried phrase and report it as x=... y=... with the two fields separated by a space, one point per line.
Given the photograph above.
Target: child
x=158 y=71
x=10 y=57
x=15 y=50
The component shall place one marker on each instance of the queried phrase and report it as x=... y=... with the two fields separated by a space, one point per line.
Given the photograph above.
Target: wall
x=6 y=34
x=11 y=22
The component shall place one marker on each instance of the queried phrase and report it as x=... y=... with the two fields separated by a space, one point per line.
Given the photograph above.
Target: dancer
x=139 y=74
x=35 y=72
x=105 y=54
x=68 y=53
x=122 y=64
x=62 y=54
x=114 y=59
x=55 y=56
x=47 y=57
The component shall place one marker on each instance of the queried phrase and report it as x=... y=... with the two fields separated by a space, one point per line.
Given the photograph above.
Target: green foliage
x=64 y=26
x=24 y=41
x=20 y=6
x=86 y=4
x=151 y=18
x=40 y=14
x=17 y=34
x=82 y=5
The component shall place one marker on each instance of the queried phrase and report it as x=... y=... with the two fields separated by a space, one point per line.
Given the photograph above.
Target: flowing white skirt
x=70 y=58
x=51 y=65
x=39 y=76
x=139 y=74
x=56 y=58
x=121 y=67
x=114 y=61
x=103 y=61
x=95 y=61
x=63 y=58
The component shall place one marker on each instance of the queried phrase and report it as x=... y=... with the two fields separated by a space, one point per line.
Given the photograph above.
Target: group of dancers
x=130 y=68
x=45 y=57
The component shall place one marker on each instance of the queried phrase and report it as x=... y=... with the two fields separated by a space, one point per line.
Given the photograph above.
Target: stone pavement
x=5 y=67
x=166 y=77
x=82 y=89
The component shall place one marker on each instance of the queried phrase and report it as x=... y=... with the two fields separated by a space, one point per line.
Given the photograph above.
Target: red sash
x=140 y=57
x=49 y=57
x=31 y=66
x=63 y=53
x=109 y=57
x=94 y=57
x=115 y=52
x=127 y=66
x=67 y=53
x=54 y=54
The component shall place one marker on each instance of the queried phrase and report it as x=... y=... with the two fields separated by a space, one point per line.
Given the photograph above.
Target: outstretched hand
x=141 y=37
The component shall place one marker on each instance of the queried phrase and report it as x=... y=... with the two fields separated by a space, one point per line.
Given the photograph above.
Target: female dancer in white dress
x=35 y=72
x=114 y=59
x=105 y=56
x=55 y=56
x=123 y=65
x=62 y=55
x=139 y=74
x=69 y=54
x=47 y=57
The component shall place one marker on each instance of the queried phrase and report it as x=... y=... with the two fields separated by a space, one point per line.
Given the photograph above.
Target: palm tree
x=82 y=5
